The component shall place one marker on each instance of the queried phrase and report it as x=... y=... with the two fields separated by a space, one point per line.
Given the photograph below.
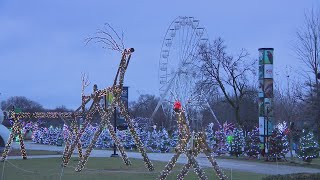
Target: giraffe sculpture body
x=17 y=127
x=190 y=144
x=105 y=114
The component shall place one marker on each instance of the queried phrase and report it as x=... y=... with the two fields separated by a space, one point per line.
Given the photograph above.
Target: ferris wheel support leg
x=124 y=112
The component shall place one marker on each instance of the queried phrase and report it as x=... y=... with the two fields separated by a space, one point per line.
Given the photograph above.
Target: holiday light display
x=73 y=132
x=106 y=114
x=252 y=143
x=279 y=145
x=71 y=142
x=17 y=126
x=191 y=145
x=16 y=131
x=237 y=142
x=308 y=148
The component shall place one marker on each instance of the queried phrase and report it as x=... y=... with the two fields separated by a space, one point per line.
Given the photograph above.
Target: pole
x=264 y=138
x=115 y=130
x=267 y=143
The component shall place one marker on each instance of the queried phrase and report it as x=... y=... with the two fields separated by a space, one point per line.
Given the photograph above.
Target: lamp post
x=267 y=136
x=115 y=130
x=1 y=114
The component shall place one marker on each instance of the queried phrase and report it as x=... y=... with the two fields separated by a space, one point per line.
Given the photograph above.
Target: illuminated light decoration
x=73 y=132
x=279 y=145
x=17 y=127
x=69 y=147
x=177 y=106
x=16 y=130
x=106 y=114
x=308 y=148
x=197 y=143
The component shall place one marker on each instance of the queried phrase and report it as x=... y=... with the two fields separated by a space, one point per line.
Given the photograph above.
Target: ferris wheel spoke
x=189 y=43
x=185 y=40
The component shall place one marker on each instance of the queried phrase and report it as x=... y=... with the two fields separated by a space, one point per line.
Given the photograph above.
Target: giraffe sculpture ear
x=131 y=50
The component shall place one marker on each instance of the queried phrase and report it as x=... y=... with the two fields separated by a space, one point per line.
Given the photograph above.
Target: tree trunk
x=238 y=119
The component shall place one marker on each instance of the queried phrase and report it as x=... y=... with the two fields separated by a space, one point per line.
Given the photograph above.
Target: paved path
x=239 y=165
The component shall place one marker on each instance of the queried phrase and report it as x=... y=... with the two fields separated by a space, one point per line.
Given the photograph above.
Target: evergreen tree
x=210 y=135
x=164 y=141
x=128 y=140
x=252 y=143
x=279 y=144
x=154 y=143
x=308 y=147
x=237 y=144
x=87 y=135
x=104 y=140
x=143 y=136
x=174 y=139
x=221 y=146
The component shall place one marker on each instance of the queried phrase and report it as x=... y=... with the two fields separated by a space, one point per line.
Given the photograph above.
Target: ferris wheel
x=179 y=62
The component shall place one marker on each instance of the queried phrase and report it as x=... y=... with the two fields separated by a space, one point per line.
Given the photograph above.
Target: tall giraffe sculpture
x=106 y=113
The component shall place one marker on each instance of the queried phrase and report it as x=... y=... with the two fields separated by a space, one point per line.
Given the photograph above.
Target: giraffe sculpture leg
x=65 y=161
x=74 y=132
x=168 y=168
x=213 y=162
x=78 y=136
x=184 y=171
x=22 y=148
x=8 y=144
x=196 y=166
x=83 y=161
x=186 y=167
x=137 y=140
x=117 y=142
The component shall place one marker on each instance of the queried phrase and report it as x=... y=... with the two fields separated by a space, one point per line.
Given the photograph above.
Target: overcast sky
x=42 y=49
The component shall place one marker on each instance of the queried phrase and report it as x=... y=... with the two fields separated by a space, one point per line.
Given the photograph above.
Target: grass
x=295 y=162
x=98 y=168
x=17 y=152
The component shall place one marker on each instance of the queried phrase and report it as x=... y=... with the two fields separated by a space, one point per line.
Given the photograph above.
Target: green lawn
x=296 y=161
x=17 y=152
x=97 y=168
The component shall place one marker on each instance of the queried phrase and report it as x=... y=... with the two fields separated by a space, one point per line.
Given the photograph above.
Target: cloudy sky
x=42 y=49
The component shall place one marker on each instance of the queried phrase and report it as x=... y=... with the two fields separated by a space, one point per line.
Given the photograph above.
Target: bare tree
x=307 y=49
x=21 y=102
x=229 y=73
x=145 y=106
x=308 y=44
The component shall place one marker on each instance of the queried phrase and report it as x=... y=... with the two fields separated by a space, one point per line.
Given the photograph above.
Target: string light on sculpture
x=197 y=144
x=73 y=132
x=17 y=127
x=16 y=130
x=105 y=114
